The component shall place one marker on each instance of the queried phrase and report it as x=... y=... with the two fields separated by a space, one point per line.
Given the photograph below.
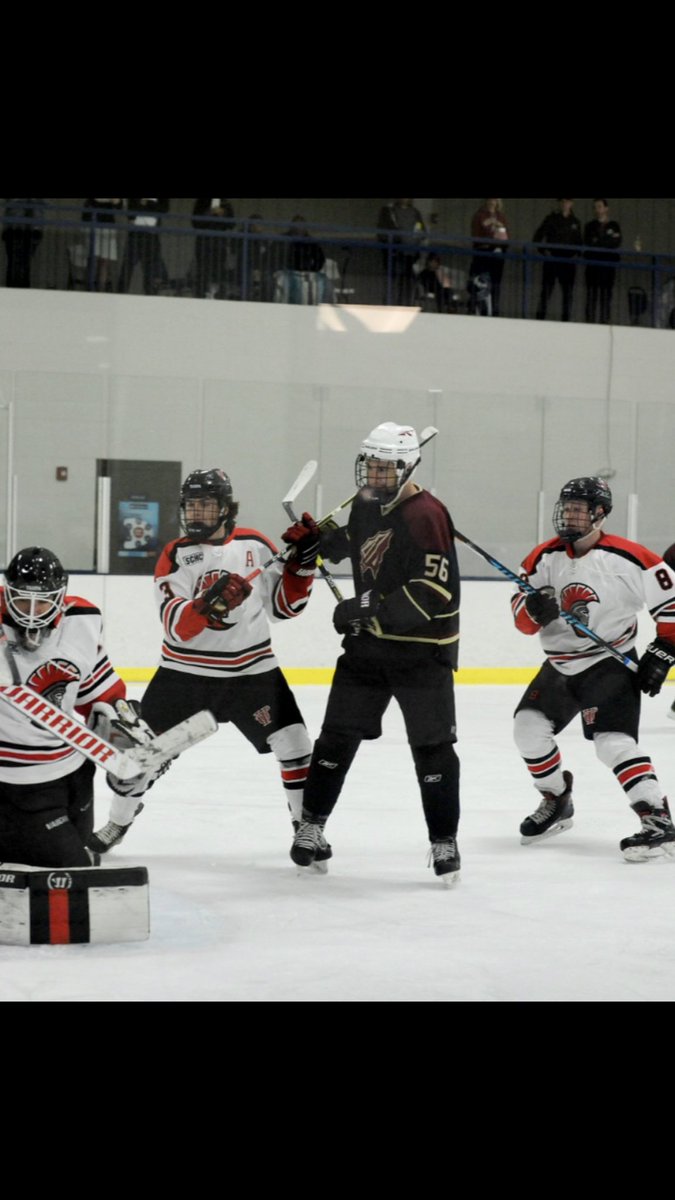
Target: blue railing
x=257 y=260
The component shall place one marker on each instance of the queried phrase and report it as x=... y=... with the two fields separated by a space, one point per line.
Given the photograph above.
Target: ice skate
x=671 y=712
x=444 y=854
x=109 y=835
x=553 y=816
x=656 y=838
x=310 y=850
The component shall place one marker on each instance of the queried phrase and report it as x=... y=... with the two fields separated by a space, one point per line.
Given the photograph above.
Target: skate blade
x=313 y=868
x=449 y=880
x=552 y=832
x=671 y=714
x=649 y=853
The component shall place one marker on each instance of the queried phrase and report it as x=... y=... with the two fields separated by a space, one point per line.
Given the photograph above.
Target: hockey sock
x=437 y=769
x=294 y=776
x=333 y=756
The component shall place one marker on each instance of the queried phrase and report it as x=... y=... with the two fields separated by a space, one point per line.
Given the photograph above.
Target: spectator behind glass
x=143 y=245
x=104 y=249
x=400 y=215
x=489 y=231
x=560 y=228
x=211 y=253
x=604 y=238
x=305 y=283
x=21 y=238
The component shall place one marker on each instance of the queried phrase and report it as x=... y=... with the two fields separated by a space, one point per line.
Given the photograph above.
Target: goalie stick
x=125 y=764
x=530 y=590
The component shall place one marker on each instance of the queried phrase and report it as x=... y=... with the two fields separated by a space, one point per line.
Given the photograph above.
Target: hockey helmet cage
x=597 y=494
x=35 y=577
x=390 y=443
x=211 y=484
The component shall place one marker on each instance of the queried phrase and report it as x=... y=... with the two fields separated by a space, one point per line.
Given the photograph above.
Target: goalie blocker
x=73 y=906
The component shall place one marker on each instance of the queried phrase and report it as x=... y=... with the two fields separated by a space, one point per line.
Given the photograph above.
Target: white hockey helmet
x=388 y=443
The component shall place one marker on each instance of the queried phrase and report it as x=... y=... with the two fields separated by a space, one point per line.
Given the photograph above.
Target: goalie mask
x=386 y=461
x=570 y=521
x=35 y=589
x=214 y=485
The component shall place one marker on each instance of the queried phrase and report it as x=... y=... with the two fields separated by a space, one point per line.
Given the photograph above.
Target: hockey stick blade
x=167 y=745
x=529 y=590
x=308 y=472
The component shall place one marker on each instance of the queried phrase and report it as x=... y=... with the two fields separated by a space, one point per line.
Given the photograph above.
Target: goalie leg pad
x=75 y=905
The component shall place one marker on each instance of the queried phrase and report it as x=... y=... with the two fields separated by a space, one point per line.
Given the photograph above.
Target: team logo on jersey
x=263 y=716
x=373 y=552
x=575 y=599
x=589 y=715
x=52 y=678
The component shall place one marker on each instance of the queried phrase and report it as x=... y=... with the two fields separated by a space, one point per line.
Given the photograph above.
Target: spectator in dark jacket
x=22 y=238
x=603 y=237
x=558 y=230
x=399 y=264
x=213 y=217
x=143 y=245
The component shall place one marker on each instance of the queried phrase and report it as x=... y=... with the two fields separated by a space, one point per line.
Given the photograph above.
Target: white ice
x=231 y=920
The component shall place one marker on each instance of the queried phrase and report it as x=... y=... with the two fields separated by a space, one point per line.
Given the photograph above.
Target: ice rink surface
x=231 y=920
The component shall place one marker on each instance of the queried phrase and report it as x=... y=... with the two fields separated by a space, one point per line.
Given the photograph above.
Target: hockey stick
x=125 y=764
x=527 y=588
x=426 y=436
x=303 y=479
x=308 y=472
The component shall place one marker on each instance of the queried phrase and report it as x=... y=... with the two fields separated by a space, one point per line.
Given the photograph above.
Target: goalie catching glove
x=228 y=592
x=303 y=538
x=349 y=616
x=543 y=606
x=121 y=724
x=654 y=665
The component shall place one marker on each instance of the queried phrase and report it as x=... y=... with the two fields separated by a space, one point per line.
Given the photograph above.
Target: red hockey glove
x=228 y=592
x=303 y=536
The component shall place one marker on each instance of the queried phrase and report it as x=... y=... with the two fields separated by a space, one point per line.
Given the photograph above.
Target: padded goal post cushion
x=39 y=906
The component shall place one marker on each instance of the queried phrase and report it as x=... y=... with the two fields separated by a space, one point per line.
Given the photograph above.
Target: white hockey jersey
x=605 y=589
x=242 y=646
x=70 y=669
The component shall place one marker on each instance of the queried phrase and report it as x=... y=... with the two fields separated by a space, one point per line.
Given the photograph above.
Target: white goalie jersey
x=242 y=644
x=71 y=670
x=605 y=589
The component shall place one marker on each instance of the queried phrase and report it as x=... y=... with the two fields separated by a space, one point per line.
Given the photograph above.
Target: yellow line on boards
x=324 y=675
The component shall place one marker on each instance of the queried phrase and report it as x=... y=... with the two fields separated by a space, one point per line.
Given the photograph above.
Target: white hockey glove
x=122 y=724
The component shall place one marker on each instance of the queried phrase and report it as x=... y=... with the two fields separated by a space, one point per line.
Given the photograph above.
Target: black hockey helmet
x=35 y=577
x=212 y=484
x=596 y=492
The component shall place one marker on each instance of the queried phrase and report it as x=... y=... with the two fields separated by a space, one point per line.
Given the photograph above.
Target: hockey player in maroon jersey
x=603 y=580
x=401 y=640
x=53 y=645
x=217 y=651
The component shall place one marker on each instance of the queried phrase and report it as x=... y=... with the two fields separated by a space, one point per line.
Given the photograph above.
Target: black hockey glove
x=543 y=606
x=334 y=541
x=654 y=665
x=228 y=592
x=351 y=615
x=303 y=536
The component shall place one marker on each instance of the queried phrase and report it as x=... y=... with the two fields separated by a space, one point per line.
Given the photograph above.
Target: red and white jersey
x=70 y=669
x=605 y=588
x=242 y=645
